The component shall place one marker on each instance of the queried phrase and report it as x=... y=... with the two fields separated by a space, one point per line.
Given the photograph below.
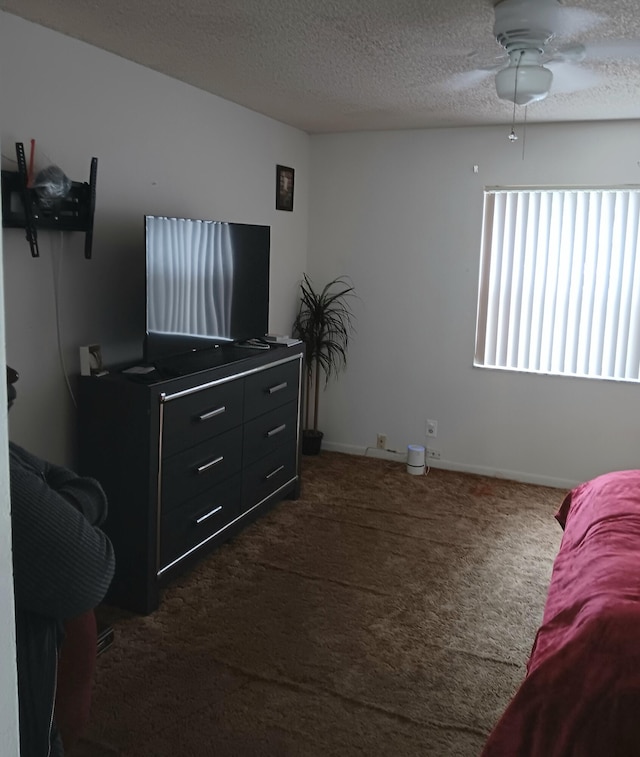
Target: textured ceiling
x=346 y=65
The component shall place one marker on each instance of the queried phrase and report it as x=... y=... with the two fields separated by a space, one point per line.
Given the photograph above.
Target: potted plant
x=324 y=324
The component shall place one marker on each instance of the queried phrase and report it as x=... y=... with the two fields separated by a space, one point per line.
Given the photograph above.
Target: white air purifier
x=416 y=456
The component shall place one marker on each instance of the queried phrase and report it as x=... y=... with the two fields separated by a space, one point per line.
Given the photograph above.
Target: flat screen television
x=207 y=284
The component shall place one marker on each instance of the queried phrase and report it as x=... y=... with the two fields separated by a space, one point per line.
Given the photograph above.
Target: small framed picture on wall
x=284 y=188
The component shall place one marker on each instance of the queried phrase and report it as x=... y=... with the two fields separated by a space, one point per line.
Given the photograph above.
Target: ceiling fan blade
x=547 y=15
x=468 y=79
x=570 y=21
x=487 y=56
x=617 y=49
x=573 y=53
x=568 y=77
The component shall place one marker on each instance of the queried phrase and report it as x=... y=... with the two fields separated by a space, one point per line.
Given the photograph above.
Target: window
x=559 y=287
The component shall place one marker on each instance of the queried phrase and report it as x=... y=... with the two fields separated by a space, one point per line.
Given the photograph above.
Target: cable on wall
x=56 y=268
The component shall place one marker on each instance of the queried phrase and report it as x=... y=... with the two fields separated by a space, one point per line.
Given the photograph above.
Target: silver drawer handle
x=277 y=430
x=212 y=413
x=202 y=518
x=207 y=466
x=277 y=387
x=274 y=472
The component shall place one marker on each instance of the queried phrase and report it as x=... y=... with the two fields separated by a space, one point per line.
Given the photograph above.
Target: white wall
x=163 y=148
x=401 y=213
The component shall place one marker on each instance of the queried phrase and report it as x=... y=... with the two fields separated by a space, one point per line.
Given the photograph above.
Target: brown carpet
x=380 y=614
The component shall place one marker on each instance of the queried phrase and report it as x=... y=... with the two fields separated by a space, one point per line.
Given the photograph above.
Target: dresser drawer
x=271 y=388
x=267 y=432
x=268 y=474
x=190 y=524
x=198 y=468
x=198 y=416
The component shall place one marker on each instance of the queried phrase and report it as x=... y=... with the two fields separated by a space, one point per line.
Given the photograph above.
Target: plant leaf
x=324 y=324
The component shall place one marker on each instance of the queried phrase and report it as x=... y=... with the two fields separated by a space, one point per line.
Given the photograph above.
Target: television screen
x=207 y=284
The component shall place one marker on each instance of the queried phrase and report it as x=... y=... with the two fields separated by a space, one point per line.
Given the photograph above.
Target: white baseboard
x=382 y=454
x=510 y=475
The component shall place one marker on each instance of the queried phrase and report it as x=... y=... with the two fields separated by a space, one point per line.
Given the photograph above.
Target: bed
x=581 y=692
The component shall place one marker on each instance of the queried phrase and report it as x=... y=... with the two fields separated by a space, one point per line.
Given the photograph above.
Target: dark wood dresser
x=188 y=461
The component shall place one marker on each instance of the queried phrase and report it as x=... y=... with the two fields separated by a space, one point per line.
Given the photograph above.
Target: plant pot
x=311 y=442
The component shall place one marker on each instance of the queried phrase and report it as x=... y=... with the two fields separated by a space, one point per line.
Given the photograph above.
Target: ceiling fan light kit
x=523 y=83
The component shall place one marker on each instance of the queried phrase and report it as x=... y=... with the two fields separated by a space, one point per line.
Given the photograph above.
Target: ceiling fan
x=533 y=62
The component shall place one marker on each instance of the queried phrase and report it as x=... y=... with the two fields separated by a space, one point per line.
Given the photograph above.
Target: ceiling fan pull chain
x=513 y=136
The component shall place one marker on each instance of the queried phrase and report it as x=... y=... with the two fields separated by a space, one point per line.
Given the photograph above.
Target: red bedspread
x=581 y=694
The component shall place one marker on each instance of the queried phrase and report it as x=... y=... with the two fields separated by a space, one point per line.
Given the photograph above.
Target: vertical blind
x=559 y=288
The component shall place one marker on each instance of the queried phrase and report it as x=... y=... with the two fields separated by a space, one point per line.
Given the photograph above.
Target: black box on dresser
x=188 y=461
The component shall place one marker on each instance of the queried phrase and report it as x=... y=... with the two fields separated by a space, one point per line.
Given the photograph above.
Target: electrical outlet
x=432 y=429
x=433 y=454
x=381 y=441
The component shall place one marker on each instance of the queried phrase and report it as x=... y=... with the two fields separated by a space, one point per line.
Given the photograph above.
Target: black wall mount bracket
x=23 y=209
